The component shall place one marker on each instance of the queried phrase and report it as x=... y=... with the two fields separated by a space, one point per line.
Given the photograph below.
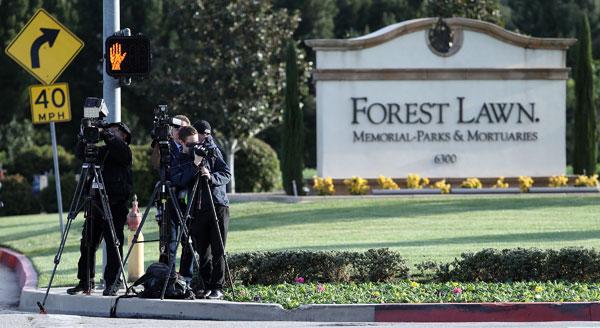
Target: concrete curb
x=21 y=265
x=61 y=303
x=95 y=305
x=488 y=312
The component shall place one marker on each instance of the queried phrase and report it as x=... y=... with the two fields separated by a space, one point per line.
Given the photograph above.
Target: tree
x=554 y=18
x=225 y=66
x=585 y=149
x=358 y=17
x=13 y=79
x=485 y=10
x=292 y=151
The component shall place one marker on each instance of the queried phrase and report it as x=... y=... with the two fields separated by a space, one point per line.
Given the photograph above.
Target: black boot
x=81 y=287
x=215 y=294
x=109 y=291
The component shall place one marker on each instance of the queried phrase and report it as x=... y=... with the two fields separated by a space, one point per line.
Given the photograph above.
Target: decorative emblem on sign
x=441 y=37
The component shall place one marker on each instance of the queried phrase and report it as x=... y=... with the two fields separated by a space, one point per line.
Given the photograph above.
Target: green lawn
x=421 y=228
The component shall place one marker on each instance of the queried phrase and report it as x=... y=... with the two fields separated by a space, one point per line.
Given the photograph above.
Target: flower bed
x=292 y=295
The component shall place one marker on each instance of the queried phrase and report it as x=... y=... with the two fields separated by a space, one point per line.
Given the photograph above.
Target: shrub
x=33 y=160
x=323 y=186
x=387 y=183
x=326 y=266
x=585 y=181
x=357 y=186
x=471 y=183
x=47 y=197
x=257 y=167
x=16 y=194
x=558 y=181
x=443 y=186
x=414 y=181
x=525 y=183
x=520 y=264
x=144 y=176
x=500 y=183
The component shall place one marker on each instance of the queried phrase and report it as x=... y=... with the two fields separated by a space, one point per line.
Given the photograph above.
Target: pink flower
x=320 y=288
x=299 y=280
x=457 y=291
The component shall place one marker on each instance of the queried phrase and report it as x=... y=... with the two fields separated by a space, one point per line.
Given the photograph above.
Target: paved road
x=11 y=318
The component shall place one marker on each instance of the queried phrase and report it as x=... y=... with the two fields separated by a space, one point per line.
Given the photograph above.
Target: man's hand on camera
x=198 y=159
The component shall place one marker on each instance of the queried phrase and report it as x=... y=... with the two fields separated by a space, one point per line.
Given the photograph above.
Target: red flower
x=299 y=280
x=457 y=291
x=320 y=288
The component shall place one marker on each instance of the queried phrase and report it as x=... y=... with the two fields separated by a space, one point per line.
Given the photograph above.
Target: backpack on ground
x=153 y=281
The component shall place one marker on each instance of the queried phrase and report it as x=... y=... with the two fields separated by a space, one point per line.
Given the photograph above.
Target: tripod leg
x=216 y=220
x=171 y=262
x=185 y=230
x=134 y=240
x=109 y=218
x=74 y=209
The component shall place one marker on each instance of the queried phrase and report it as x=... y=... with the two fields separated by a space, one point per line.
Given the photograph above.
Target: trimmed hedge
x=38 y=159
x=17 y=196
x=384 y=265
x=144 y=176
x=47 y=197
x=377 y=265
x=256 y=167
x=521 y=264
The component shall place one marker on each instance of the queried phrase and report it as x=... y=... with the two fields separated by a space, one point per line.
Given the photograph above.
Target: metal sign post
x=57 y=176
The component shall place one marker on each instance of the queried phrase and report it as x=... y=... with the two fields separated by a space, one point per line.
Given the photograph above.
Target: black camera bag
x=154 y=279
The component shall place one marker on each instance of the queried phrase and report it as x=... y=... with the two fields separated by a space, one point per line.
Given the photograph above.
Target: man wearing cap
x=115 y=162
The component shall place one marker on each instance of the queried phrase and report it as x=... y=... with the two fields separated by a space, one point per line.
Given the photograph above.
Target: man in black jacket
x=204 y=232
x=115 y=161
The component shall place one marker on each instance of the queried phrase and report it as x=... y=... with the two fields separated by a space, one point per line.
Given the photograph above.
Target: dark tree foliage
x=554 y=18
x=224 y=65
x=293 y=127
x=585 y=149
x=485 y=10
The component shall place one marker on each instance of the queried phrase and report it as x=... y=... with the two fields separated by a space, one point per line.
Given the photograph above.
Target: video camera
x=94 y=113
x=161 y=132
x=204 y=149
x=162 y=123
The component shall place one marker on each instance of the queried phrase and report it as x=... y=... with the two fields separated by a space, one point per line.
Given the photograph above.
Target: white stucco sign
x=482 y=102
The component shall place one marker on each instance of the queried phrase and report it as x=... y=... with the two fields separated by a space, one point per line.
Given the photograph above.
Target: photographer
x=204 y=233
x=175 y=147
x=115 y=161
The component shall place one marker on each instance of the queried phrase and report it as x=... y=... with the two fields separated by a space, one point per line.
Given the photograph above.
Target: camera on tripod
x=161 y=131
x=163 y=123
x=94 y=113
x=204 y=149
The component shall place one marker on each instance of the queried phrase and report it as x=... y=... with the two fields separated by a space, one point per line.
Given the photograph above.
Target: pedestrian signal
x=127 y=56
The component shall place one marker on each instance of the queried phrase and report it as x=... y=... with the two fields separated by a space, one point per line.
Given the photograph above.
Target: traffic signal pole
x=111 y=90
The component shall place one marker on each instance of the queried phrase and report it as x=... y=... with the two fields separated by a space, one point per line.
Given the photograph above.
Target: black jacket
x=115 y=160
x=184 y=172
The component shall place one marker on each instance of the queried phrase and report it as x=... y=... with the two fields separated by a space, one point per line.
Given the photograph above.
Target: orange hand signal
x=116 y=58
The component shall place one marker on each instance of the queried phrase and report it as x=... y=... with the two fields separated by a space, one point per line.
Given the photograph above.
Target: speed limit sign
x=50 y=103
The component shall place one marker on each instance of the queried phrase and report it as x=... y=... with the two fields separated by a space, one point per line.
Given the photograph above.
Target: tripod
x=90 y=186
x=206 y=183
x=165 y=194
